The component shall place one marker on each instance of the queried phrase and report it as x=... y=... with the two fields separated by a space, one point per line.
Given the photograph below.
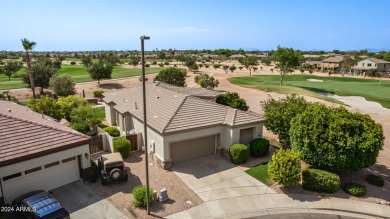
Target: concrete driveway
x=81 y=202
x=213 y=178
x=228 y=192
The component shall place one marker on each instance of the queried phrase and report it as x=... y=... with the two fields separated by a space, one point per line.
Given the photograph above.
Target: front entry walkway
x=228 y=192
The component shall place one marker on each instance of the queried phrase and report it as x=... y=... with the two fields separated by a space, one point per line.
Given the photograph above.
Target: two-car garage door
x=46 y=177
x=194 y=148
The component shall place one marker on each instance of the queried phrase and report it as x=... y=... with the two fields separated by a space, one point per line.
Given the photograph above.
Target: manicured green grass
x=100 y=113
x=78 y=74
x=260 y=172
x=373 y=90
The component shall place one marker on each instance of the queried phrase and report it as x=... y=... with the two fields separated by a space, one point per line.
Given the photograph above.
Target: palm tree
x=27 y=45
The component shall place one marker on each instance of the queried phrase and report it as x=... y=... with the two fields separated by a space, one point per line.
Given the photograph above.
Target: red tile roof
x=25 y=135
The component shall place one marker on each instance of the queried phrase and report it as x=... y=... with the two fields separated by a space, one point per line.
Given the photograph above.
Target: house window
x=369 y=65
x=363 y=64
x=376 y=65
x=33 y=170
x=68 y=159
x=5 y=178
x=384 y=66
x=52 y=164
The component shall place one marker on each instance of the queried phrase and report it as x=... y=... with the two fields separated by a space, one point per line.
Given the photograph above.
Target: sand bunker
x=315 y=80
x=360 y=103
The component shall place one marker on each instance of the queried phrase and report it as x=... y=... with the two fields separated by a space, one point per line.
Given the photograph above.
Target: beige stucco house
x=373 y=63
x=332 y=63
x=37 y=152
x=183 y=123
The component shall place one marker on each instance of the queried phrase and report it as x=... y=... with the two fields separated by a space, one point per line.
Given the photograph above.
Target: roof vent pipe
x=135 y=103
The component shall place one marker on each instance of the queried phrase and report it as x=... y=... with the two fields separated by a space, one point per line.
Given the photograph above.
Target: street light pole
x=145 y=124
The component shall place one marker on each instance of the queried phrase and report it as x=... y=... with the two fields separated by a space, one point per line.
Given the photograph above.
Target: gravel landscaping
x=119 y=194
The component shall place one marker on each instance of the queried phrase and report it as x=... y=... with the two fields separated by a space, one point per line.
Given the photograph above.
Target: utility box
x=163 y=195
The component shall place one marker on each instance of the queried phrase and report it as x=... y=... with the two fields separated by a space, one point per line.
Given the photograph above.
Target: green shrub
x=102 y=126
x=93 y=172
x=320 y=181
x=285 y=167
x=161 y=65
x=238 y=153
x=259 y=147
x=166 y=63
x=123 y=146
x=113 y=131
x=354 y=189
x=280 y=112
x=147 y=65
x=375 y=180
x=139 y=194
x=73 y=63
x=336 y=139
x=98 y=94
x=154 y=63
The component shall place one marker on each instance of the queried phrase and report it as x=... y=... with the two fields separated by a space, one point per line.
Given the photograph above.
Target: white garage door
x=46 y=177
x=191 y=149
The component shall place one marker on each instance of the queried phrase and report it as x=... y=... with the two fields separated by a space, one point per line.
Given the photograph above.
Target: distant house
x=332 y=63
x=183 y=123
x=37 y=152
x=373 y=63
x=236 y=57
x=258 y=57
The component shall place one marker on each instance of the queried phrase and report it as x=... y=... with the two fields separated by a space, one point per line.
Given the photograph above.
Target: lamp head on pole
x=145 y=37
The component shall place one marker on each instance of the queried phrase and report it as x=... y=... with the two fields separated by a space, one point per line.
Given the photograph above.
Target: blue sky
x=202 y=24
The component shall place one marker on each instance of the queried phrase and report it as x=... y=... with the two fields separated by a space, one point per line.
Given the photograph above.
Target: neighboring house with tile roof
x=37 y=152
x=181 y=125
x=236 y=56
x=373 y=63
x=332 y=63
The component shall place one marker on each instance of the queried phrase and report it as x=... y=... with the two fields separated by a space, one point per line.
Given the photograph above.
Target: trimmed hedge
x=139 y=194
x=320 y=181
x=354 y=189
x=113 y=131
x=259 y=147
x=238 y=153
x=123 y=146
x=375 y=180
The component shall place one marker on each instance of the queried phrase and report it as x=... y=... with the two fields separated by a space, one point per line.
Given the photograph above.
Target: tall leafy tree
x=174 y=76
x=100 y=70
x=161 y=55
x=62 y=85
x=205 y=81
x=28 y=46
x=181 y=58
x=84 y=119
x=249 y=62
x=43 y=70
x=287 y=59
x=336 y=139
x=191 y=64
x=279 y=114
x=232 y=100
x=225 y=68
x=86 y=61
x=10 y=68
x=134 y=61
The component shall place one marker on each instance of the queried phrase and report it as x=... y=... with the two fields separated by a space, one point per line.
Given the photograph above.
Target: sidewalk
x=276 y=204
